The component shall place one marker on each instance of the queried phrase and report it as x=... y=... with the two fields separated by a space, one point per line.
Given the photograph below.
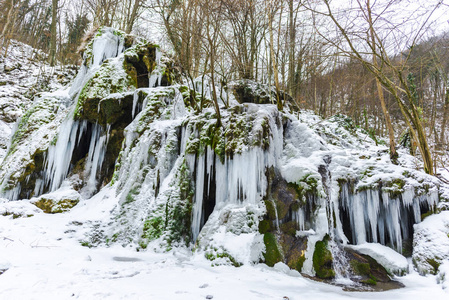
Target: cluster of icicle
x=378 y=218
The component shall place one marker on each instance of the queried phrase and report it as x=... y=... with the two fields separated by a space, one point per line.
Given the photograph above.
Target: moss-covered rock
x=111 y=78
x=366 y=269
x=272 y=253
x=322 y=260
x=219 y=256
x=52 y=206
x=249 y=91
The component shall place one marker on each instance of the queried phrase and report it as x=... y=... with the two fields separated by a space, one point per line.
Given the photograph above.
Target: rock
x=366 y=269
x=431 y=243
x=51 y=206
x=249 y=91
x=59 y=201
x=322 y=260
x=11 y=67
x=393 y=262
x=18 y=209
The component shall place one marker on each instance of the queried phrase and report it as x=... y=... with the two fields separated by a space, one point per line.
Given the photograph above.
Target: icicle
x=198 y=204
x=179 y=109
x=300 y=218
x=135 y=99
x=57 y=162
x=94 y=161
x=158 y=55
x=277 y=217
x=154 y=80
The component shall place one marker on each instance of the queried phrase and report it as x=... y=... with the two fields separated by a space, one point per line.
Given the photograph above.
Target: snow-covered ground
x=44 y=260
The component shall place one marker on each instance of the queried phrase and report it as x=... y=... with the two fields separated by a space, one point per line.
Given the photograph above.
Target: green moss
x=109 y=79
x=152 y=229
x=86 y=244
x=360 y=268
x=289 y=228
x=322 y=260
x=272 y=253
x=370 y=281
x=434 y=264
x=51 y=206
x=271 y=212
x=297 y=260
x=213 y=254
x=395 y=187
x=264 y=226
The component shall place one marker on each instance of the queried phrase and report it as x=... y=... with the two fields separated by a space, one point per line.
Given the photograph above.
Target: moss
x=360 y=268
x=429 y=213
x=272 y=254
x=51 y=206
x=86 y=244
x=370 y=281
x=152 y=229
x=297 y=260
x=289 y=228
x=264 y=226
x=434 y=264
x=271 y=212
x=213 y=254
x=395 y=187
x=109 y=79
x=322 y=260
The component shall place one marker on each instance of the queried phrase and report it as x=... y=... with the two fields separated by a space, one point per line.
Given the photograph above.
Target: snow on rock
x=5 y=133
x=443 y=275
x=59 y=201
x=24 y=73
x=18 y=209
x=431 y=243
x=231 y=234
x=392 y=261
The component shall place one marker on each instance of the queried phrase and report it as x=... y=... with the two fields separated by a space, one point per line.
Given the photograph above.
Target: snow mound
x=431 y=243
x=18 y=209
x=392 y=261
x=443 y=275
x=58 y=201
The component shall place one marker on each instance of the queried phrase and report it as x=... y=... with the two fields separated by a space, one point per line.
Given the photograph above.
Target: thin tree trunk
x=393 y=154
x=445 y=117
x=273 y=60
x=54 y=14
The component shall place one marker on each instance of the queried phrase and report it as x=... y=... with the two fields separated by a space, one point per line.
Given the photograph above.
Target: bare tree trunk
x=393 y=154
x=445 y=117
x=273 y=59
x=54 y=15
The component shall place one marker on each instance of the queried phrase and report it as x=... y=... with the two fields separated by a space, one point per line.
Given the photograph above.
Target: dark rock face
x=249 y=91
x=282 y=203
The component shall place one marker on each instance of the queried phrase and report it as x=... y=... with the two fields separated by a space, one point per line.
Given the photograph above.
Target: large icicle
x=376 y=217
x=57 y=162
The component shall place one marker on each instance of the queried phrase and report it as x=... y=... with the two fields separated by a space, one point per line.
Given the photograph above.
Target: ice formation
x=178 y=177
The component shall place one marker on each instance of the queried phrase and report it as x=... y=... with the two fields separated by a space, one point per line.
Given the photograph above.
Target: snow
x=392 y=261
x=443 y=275
x=431 y=242
x=44 y=260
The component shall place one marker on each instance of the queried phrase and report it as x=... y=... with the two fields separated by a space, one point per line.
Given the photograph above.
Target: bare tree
x=389 y=72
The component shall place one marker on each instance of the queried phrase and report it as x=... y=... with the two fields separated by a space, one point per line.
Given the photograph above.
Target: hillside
x=125 y=180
